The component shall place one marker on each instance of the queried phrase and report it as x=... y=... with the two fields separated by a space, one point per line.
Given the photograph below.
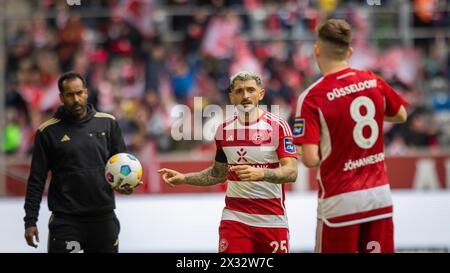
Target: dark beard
x=77 y=115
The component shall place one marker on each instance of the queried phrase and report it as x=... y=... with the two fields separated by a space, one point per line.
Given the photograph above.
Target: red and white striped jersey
x=259 y=144
x=343 y=113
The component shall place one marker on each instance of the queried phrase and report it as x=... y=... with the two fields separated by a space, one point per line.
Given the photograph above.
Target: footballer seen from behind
x=339 y=128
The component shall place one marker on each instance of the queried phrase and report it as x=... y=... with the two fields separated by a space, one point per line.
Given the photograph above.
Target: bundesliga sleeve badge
x=299 y=127
x=289 y=146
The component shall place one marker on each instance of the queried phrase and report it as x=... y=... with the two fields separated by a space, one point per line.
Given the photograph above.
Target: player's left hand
x=126 y=189
x=248 y=173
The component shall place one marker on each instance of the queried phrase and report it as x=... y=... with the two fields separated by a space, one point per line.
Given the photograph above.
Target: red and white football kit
x=343 y=114
x=254 y=218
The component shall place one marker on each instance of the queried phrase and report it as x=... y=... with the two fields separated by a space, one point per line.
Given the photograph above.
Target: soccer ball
x=122 y=169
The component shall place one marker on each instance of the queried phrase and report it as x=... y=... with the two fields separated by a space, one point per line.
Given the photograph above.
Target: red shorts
x=371 y=237
x=236 y=237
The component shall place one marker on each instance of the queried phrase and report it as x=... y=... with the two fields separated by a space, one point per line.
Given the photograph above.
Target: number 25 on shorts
x=282 y=246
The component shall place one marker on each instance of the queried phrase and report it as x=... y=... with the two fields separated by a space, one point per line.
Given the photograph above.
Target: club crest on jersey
x=259 y=137
x=299 y=127
x=289 y=146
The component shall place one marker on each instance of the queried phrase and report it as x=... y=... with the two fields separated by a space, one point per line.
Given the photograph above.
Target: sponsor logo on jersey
x=289 y=146
x=299 y=127
x=242 y=153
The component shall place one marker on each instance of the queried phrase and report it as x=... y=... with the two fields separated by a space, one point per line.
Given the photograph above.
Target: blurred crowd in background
x=142 y=57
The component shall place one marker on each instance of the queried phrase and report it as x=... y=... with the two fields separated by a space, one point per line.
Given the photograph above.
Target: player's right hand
x=171 y=177
x=126 y=189
x=30 y=233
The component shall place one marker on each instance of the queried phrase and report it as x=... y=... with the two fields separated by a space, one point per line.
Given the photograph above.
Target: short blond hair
x=336 y=37
x=245 y=76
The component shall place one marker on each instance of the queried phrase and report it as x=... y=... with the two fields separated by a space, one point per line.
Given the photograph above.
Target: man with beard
x=256 y=156
x=75 y=146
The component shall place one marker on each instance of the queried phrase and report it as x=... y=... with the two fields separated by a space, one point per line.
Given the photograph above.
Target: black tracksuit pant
x=71 y=234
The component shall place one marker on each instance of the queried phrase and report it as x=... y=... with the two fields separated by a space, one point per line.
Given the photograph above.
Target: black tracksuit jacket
x=76 y=153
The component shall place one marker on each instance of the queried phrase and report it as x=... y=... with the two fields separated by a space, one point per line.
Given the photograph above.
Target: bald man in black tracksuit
x=75 y=146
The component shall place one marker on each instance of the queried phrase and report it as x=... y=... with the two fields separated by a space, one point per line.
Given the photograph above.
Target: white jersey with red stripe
x=343 y=114
x=259 y=144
